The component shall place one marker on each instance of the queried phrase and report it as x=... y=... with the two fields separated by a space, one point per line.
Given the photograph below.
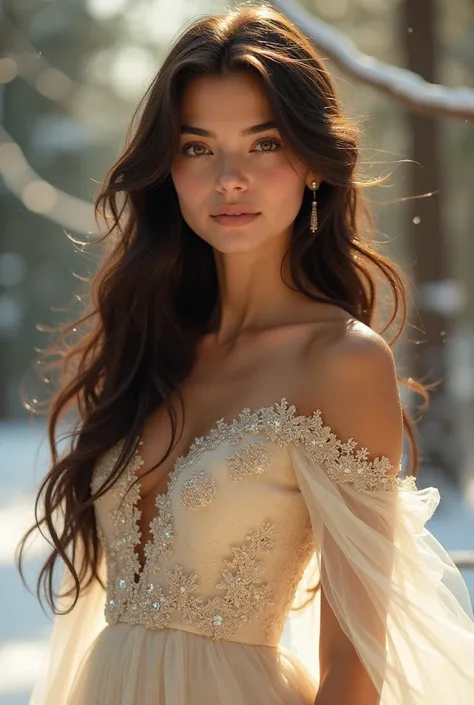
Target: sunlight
x=20 y=664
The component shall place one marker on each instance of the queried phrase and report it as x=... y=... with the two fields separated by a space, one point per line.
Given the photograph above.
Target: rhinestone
x=122 y=584
x=112 y=604
x=217 y=620
x=149 y=587
x=252 y=458
x=198 y=490
x=123 y=539
x=155 y=606
x=347 y=469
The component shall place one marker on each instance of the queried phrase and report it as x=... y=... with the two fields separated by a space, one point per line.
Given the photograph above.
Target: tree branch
x=400 y=84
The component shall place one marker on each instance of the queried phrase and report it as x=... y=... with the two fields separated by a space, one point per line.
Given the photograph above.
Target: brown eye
x=185 y=150
x=272 y=142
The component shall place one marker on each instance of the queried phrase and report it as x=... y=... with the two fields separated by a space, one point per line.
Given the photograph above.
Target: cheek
x=284 y=187
x=188 y=183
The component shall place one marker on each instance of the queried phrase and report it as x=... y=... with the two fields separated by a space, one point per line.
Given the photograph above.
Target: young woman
x=239 y=433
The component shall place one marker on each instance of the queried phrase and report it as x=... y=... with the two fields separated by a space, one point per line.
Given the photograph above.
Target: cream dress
x=258 y=509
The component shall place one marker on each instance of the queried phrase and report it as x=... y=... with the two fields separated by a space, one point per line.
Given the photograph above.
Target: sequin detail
x=125 y=517
x=198 y=490
x=280 y=424
x=216 y=617
x=133 y=597
x=251 y=459
x=221 y=617
x=298 y=559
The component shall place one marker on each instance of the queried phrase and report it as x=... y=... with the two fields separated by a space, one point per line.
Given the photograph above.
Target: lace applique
x=301 y=556
x=198 y=490
x=217 y=617
x=252 y=458
x=342 y=462
x=128 y=587
x=125 y=517
x=221 y=617
x=281 y=424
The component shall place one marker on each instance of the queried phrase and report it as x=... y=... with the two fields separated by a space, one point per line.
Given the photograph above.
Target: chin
x=232 y=245
x=232 y=240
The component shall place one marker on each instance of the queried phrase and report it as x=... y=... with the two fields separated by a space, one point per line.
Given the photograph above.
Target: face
x=224 y=159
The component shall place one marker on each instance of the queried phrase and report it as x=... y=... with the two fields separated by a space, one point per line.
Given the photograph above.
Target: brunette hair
x=156 y=286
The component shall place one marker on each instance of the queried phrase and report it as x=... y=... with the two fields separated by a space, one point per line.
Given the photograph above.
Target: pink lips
x=233 y=220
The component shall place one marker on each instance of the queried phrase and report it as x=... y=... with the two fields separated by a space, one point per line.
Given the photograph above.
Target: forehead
x=236 y=99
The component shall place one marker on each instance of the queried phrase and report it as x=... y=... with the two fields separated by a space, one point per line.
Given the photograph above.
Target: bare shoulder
x=351 y=378
x=356 y=346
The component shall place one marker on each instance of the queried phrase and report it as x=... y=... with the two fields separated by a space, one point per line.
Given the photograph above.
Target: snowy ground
x=24 y=629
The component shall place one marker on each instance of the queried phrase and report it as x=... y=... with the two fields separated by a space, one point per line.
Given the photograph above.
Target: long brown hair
x=156 y=286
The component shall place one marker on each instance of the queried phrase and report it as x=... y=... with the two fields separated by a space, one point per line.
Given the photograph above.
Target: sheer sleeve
x=393 y=588
x=71 y=638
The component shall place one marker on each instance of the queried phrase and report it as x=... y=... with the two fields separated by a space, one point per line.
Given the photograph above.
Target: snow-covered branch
x=38 y=195
x=399 y=83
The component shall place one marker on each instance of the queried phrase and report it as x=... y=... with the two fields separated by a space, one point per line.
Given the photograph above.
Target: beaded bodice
x=232 y=534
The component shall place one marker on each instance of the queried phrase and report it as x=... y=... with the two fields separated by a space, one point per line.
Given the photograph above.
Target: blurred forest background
x=71 y=75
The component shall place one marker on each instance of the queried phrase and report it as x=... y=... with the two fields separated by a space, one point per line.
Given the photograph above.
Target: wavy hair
x=156 y=286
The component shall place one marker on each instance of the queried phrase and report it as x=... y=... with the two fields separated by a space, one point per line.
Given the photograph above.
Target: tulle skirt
x=132 y=665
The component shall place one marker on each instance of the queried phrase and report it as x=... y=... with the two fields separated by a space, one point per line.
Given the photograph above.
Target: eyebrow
x=254 y=129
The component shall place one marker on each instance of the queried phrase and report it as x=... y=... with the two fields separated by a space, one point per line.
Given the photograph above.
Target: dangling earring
x=313 y=221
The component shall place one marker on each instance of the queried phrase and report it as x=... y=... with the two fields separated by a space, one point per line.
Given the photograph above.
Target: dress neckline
x=196 y=445
x=281 y=423
x=271 y=420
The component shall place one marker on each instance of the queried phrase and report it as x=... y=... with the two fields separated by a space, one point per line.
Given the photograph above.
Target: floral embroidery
x=133 y=597
x=198 y=490
x=342 y=462
x=281 y=424
x=221 y=617
x=251 y=458
x=125 y=516
x=289 y=583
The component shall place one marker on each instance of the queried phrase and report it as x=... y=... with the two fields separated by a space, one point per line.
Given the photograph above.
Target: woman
x=240 y=427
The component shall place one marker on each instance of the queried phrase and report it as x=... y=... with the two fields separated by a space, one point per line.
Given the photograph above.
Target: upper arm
x=359 y=399
x=357 y=392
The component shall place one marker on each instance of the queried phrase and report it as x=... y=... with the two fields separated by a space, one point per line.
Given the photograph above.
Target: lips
x=235 y=220
x=234 y=209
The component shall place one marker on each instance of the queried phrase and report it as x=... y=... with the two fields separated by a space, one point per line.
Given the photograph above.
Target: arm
x=360 y=400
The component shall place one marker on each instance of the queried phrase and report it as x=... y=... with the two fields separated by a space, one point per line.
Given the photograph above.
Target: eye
x=194 y=145
x=272 y=141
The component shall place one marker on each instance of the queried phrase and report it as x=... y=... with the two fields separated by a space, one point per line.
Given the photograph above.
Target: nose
x=231 y=178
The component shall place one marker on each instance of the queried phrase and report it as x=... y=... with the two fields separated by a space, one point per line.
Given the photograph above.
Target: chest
x=211 y=395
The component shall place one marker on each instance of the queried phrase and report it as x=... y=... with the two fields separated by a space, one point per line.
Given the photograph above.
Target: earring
x=313 y=221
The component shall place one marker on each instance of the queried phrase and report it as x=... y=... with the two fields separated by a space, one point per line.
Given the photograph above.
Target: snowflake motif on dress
x=302 y=552
x=280 y=424
x=198 y=490
x=221 y=617
x=125 y=517
x=251 y=459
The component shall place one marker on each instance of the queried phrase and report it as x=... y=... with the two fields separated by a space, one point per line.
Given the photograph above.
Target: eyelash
x=273 y=140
